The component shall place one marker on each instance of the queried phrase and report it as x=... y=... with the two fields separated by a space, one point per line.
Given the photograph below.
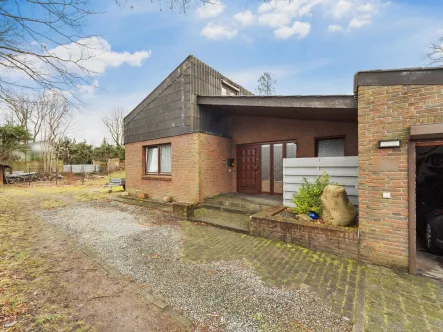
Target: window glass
x=152 y=163
x=165 y=162
x=266 y=168
x=278 y=168
x=291 y=150
x=334 y=147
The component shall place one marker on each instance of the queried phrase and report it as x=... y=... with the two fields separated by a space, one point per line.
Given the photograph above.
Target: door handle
x=256 y=167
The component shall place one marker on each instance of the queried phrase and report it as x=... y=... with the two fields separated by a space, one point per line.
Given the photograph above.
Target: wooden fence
x=343 y=170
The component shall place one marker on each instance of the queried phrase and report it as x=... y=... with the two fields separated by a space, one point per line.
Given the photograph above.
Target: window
x=158 y=159
x=331 y=147
x=229 y=89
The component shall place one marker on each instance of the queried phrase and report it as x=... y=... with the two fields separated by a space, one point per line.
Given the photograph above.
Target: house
x=199 y=134
x=195 y=132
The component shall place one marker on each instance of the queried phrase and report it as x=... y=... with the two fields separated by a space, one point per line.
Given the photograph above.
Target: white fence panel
x=81 y=168
x=343 y=170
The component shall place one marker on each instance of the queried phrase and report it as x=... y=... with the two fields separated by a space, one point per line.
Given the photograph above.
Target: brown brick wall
x=244 y=130
x=215 y=177
x=197 y=168
x=386 y=113
x=256 y=129
x=306 y=234
x=197 y=159
x=184 y=179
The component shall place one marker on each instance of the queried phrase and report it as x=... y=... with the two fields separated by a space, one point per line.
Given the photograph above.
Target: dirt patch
x=47 y=283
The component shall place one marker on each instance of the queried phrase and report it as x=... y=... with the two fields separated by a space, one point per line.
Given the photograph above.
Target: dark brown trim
x=271 y=156
x=257 y=189
x=428 y=143
x=157 y=177
x=316 y=139
x=145 y=160
x=412 y=207
x=423 y=132
x=406 y=76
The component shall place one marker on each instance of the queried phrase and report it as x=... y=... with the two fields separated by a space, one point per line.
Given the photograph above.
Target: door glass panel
x=266 y=168
x=331 y=147
x=291 y=150
x=278 y=168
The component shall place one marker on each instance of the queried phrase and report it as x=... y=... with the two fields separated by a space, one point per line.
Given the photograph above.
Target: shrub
x=308 y=196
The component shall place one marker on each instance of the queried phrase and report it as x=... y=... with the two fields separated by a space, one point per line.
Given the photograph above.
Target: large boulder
x=337 y=208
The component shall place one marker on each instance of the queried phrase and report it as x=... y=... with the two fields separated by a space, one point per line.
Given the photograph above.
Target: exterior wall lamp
x=389 y=144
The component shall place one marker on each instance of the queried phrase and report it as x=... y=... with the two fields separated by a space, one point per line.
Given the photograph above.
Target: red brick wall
x=215 y=177
x=255 y=129
x=386 y=113
x=197 y=168
x=245 y=130
x=183 y=184
x=197 y=159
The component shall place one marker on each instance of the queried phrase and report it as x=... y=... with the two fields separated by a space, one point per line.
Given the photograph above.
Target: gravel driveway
x=227 y=296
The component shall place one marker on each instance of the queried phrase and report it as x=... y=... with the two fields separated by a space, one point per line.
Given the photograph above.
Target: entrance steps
x=225 y=220
x=232 y=211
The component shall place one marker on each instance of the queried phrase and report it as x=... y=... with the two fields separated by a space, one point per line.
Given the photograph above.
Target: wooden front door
x=248 y=173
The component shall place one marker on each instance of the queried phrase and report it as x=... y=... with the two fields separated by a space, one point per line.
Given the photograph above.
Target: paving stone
x=394 y=300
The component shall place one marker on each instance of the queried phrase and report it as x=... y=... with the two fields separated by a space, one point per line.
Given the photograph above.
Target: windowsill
x=157 y=177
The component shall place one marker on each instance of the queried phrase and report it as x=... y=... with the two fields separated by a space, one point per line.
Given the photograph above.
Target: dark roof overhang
x=406 y=76
x=320 y=108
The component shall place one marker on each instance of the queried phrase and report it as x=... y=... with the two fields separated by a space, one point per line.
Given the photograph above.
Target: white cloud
x=217 y=31
x=95 y=55
x=88 y=90
x=359 y=22
x=245 y=18
x=341 y=9
x=210 y=9
x=279 y=13
x=86 y=56
x=299 y=29
x=335 y=28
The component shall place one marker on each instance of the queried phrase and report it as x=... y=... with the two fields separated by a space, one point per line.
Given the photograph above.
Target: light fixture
x=389 y=144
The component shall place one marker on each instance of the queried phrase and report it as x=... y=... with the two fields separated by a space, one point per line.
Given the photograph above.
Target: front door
x=248 y=174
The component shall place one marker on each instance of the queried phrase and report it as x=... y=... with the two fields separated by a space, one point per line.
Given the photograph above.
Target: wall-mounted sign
x=389 y=144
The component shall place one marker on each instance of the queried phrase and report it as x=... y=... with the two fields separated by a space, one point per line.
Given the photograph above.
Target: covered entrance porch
x=262 y=131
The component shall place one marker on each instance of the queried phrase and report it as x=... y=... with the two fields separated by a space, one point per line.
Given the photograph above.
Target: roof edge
x=401 y=76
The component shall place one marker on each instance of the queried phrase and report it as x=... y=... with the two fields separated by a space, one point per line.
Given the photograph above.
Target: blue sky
x=311 y=46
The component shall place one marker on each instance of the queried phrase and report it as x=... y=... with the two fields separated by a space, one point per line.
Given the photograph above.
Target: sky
x=312 y=47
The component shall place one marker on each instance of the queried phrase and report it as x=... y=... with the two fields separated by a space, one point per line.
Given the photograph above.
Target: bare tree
x=26 y=28
x=266 y=85
x=28 y=111
x=115 y=124
x=435 y=54
x=56 y=124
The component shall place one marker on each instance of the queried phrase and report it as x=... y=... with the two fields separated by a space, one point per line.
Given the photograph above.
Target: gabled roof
x=179 y=70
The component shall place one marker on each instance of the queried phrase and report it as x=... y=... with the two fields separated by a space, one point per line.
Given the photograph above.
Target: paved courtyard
x=226 y=281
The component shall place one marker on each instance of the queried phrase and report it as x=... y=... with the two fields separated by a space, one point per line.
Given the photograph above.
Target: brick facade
x=197 y=159
x=337 y=240
x=215 y=177
x=386 y=113
x=182 y=185
x=245 y=130
x=197 y=168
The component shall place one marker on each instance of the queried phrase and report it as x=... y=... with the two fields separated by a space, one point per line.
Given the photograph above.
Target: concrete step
x=226 y=208
x=225 y=220
x=167 y=207
x=232 y=203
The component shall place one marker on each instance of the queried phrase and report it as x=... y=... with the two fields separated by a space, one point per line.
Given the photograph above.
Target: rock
x=143 y=196
x=337 y=208
x=168 y=199
x=304 y=217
